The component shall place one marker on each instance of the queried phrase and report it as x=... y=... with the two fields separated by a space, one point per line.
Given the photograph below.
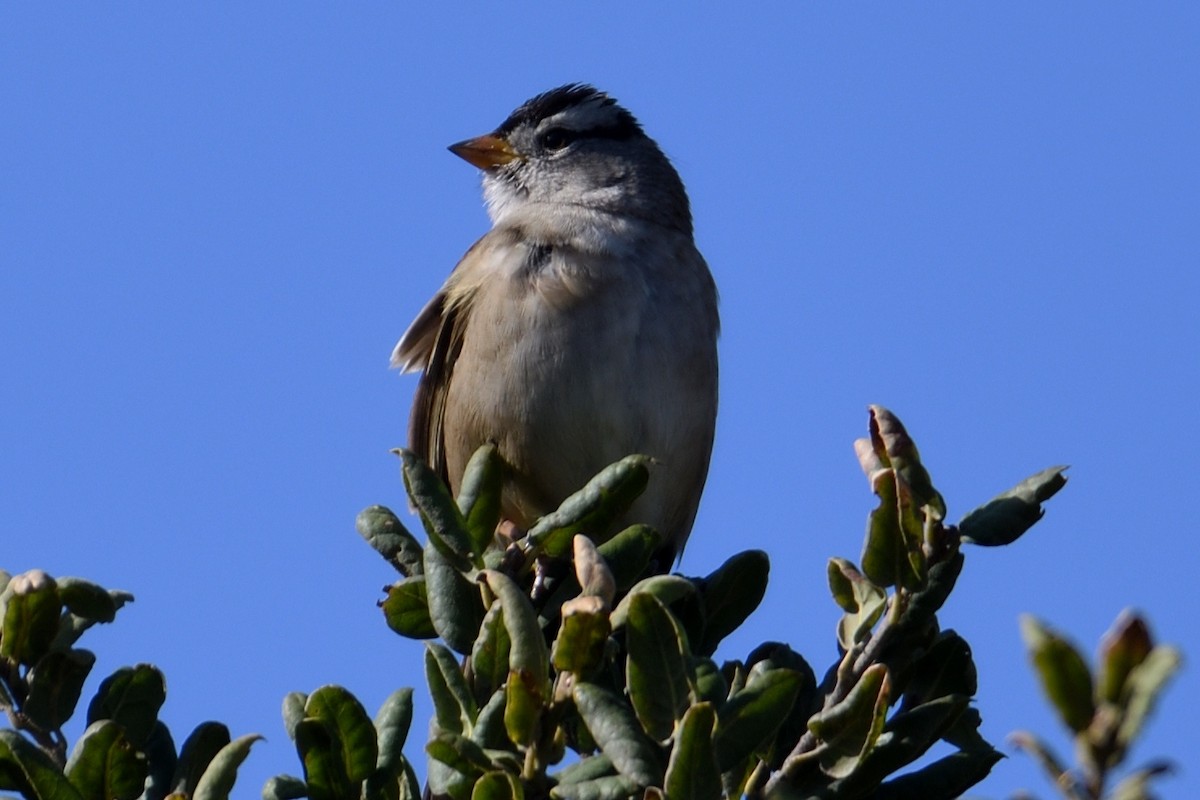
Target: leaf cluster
x=126 y=752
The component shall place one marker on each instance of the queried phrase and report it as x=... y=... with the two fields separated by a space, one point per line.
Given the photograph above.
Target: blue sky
x=216 y=220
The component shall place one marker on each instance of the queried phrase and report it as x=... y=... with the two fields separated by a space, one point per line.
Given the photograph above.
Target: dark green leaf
x=945 y=668
x=629 y=552
x=384 y=531
x=55 y=684
x=731 y=593
x=614 y=787
x=592 y=509
x=132 y=697
x=324 y=769
x=459 y=753
x=27 y=769
x=692 y=769
x=528 y=653
x=710 y=683
x=490 y=654
x=349 y=726
x=1063 y=672
x=406 y=608
x=946 y=777
x=105 y=765
x=1004 y=518
x=454 y=707
x=851 y=727
x=391 y=728
x=479 y=495
x=656 y=667
x=753 y=714
x=161 y=762
x=891 y=440
x=87 y=600
x=444 y=523
x=31 y=610
x=616 y=731
x=489 y=730
x=454 y=603
x=1124 y=647
x=667 y=589
x=200 y=748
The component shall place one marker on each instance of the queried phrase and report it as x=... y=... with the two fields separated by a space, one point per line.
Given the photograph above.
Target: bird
x=581 y=328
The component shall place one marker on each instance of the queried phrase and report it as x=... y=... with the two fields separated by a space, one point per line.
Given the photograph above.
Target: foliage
x=126 y=752
x=561 y=665
x=566 y=669
x=1105 y=709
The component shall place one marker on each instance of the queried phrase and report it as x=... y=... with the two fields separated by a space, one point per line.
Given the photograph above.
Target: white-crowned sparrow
x=581 y=328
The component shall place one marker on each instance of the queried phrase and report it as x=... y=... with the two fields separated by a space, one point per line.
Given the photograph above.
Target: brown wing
x=425 y=424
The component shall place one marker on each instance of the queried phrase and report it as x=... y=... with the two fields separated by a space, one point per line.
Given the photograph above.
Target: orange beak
x=485 y=152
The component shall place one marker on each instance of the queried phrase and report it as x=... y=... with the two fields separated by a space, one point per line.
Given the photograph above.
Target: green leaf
x=105 y=765
x=489 y=730
x=324 y=769
x=579 y=646
x=132 y=697
x=384 y=531
x=459 y=753
x=161 y=761
x=55 y=684
x=87 y=600
x=1124 y=647
x=497 y=785
x=731 y=594
x=293 y=711
x=1063 y=672
x=629 y=552
x=945 y=668
x=391 y=729
x=616 y=731
x=219 y=777
x=1003 y=519
x=200 y=748
x=479 y=496
x=586 y=769
x=710 y=683
x=27 y=769
x=31 y=610
x=753 y=714
x=1142 y=688
x=863 y=601
x=950 y=776
x=851 y=727
x=656 y=667
x=454 y=603
x=614 y=787
x=692 y=769
x=454 y=707
x=72 y=626
x=490 y=654
x=667 y=589
x=528 y=653
x=349 y=726
x=406 y=608
x=592 y=509
x=892 y=442
x=444 y=523
x=284 y=787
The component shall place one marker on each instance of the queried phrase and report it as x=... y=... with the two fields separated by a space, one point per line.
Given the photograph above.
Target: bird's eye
x=557 y=138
